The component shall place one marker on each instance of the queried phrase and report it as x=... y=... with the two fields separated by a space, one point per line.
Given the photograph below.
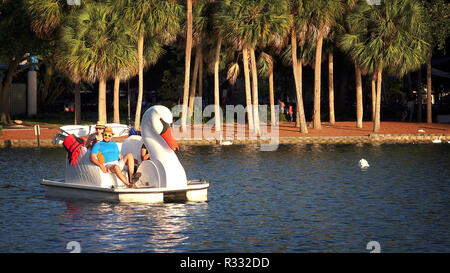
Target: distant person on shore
x=97 y=136
x=282 y=106
x=66 y=107
x=290 y=113
x=113 y=159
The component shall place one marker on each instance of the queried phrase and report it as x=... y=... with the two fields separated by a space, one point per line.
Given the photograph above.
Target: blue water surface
x=299 y=198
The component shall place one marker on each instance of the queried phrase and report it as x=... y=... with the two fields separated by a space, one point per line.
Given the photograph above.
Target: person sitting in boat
x=97 y=136
x=144 y=153
x=113 y=159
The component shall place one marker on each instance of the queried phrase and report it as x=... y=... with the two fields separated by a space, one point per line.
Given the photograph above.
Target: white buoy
x=363 y=163
x=437 y=140
x=421 y=131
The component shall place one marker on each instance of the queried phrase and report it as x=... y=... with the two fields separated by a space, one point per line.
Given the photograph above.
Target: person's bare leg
x=118 y=172
x=129 y=161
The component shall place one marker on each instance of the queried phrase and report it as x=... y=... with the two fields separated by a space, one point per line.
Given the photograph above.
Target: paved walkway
x=340 y=132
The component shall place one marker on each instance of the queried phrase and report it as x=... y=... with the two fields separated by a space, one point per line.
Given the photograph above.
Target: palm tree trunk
x=217 y=115
x=359 y=101
x=194 y=82
x=376 y=124
x=47 y=81
x=200 y=72
x=419 y=98
x=331 y=87
x=116 y=99
x=374 y=95
x=273 y=122
x=137 y=119
x=429 y=116
x=255 y=91
x=299 y=76
x=187 y=65
x=247 y=88
x=297 y=70
x=4 y=104
x=317 y=71
x=102 y=100
x=5 y=109
x=77 y=119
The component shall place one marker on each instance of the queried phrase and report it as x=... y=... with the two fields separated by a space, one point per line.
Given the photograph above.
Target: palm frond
x=233 y=72
x=265 y=64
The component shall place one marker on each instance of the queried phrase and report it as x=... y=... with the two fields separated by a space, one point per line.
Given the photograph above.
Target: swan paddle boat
x=162 y=179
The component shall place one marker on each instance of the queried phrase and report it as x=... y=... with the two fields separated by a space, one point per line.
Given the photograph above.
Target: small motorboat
x=162 y=179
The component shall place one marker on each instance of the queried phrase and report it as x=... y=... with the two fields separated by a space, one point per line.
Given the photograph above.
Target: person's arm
x=89 y=141
x=94 y=158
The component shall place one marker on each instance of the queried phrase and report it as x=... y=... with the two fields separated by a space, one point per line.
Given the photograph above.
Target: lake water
x=299 y=198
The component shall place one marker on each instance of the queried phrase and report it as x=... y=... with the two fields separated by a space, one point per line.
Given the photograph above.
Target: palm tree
x=359 y=101
x=217 y=115
x=388 y=37
x=248 y=94
x=201 y=22
x=266 y=64
x=125 y=67
x=187 y=64
x=299 y=26
x=324 y=14
x=331 y=87
x=47 y=17
x=438 y=30
x=95 y=45
x=358 y=82
x=246 y=25
x=126 y=58
x=150 y=18
x=17 y=39
x=353 y=30
x=329 y=46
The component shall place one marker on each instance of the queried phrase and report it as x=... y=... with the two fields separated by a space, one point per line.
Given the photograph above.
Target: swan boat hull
x=196 y=191
x=162 y=177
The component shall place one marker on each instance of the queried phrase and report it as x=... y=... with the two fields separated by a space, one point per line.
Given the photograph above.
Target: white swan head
x=157 y=120
x=160 y=143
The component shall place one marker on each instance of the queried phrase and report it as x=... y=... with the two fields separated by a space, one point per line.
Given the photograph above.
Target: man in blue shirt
x=113 y=159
